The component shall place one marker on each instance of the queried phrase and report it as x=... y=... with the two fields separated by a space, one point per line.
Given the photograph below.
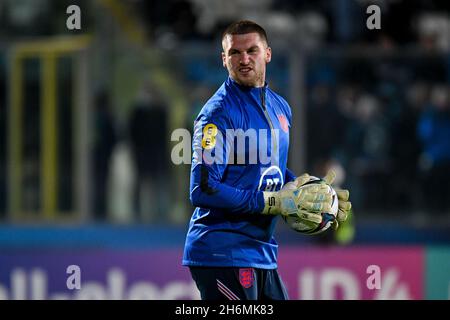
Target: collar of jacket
x=253 y=90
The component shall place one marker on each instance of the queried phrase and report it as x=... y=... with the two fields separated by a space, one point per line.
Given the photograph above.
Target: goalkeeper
x=230 y=249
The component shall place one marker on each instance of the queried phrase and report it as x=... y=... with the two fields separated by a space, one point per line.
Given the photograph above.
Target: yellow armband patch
x=209 y=136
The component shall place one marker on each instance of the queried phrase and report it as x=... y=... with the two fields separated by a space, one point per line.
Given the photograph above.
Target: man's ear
x=224 y=62
x=268 y=54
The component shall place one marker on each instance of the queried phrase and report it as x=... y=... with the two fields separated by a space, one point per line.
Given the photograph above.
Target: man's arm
x=210 y=154
x=208 y=192
x=304 y=202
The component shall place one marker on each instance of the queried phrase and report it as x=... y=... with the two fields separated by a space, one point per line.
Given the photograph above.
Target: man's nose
x=245 y=58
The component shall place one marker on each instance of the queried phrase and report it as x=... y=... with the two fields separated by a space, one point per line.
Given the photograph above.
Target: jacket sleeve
x=210 y=153
x=289 y=174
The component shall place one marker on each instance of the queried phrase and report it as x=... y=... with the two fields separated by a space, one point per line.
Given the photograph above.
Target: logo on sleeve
x=209 y=136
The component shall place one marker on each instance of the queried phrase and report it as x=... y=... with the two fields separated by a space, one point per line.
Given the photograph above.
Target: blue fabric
x=226 y=228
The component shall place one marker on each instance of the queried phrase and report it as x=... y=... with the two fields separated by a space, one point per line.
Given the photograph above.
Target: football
x=327 y=217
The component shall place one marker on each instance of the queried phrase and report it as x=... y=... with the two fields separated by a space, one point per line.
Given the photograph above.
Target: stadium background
x=86 y=118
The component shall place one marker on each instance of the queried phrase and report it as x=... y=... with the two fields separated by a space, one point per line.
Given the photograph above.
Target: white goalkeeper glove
x=306 y=202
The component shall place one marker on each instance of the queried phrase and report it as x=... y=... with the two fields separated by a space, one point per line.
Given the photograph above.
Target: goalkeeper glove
x=306 y=202
x=343 y=199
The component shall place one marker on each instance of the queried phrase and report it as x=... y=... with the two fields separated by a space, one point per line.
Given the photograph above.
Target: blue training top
x=240 y=149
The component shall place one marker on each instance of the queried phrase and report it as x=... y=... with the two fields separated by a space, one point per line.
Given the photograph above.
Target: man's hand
x=294 y=199
x=343 y=199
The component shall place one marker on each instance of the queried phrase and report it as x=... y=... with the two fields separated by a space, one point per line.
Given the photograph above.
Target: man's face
x=245 y=56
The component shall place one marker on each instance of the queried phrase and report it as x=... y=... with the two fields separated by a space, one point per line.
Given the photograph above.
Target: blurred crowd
x=391 y=142
x=377 y=101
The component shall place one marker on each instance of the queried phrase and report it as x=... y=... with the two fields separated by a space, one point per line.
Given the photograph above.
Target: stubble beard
x=255 y=81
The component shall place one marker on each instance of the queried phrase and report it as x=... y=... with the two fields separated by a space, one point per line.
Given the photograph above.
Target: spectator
x=368 y=141
x=149 y=136
x=434 y=133
x=105 y=139
x=405 y=149
x=323 y=114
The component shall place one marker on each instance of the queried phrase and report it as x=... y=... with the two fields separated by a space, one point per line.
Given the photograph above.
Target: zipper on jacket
x=272 y=129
